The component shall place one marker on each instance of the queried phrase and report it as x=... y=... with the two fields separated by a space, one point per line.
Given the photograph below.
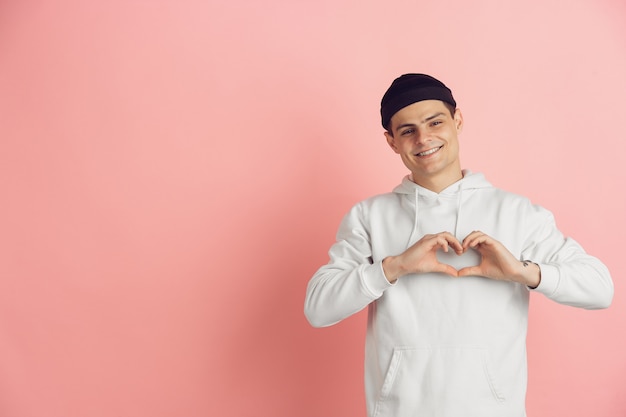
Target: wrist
x=392 y=268
x=531 y=273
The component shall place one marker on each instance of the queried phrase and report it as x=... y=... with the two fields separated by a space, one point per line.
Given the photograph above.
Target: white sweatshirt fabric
x=440 y=346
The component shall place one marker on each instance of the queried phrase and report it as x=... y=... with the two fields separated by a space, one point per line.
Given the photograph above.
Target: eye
x=407 y=132
x=436 y=122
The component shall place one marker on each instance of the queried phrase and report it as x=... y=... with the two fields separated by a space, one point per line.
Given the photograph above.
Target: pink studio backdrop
x=173 y=172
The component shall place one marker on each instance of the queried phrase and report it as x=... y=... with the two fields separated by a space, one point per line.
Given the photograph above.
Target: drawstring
x=413 y=237
x=458 y=213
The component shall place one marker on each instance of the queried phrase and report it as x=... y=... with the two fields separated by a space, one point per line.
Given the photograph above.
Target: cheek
x=406 y=145
x=397 y=146
x=410 y=164
x=453 y=141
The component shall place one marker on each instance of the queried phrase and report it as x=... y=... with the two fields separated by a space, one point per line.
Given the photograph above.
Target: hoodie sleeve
x=350 y=281
x=569 y=275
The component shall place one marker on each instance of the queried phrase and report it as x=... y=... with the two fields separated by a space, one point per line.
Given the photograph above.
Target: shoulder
x=507 y=196
x=515 y=203
x=386 y=201
x=373 y=208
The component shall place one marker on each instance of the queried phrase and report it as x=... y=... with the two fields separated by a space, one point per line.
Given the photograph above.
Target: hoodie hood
x=469 y=181
x=449 y=199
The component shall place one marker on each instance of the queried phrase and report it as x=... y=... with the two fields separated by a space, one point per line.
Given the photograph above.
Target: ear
x=391 y=141
x=458 y=120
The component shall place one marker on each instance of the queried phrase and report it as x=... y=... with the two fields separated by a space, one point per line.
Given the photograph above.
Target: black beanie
x=411 y=88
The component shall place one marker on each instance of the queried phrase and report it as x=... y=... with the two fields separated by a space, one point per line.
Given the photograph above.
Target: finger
x=474 y=241
x=458 y=248
x=470 y=271
x=473 y=234
x=453 y=242
x=443 y=243
x=469 y=238
x=447 y=269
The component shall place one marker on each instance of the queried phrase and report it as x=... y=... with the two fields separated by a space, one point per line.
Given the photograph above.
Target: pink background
x=173 y=172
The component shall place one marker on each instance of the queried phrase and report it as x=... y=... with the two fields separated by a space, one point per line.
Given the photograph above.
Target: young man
x=445 y=264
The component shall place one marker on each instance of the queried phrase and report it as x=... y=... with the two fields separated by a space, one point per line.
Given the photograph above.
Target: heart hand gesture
x=497 y=262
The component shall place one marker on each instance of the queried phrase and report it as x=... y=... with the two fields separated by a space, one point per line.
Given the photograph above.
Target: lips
x=430 y=151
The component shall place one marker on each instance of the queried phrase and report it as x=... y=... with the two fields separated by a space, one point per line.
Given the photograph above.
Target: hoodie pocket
x=439 y=381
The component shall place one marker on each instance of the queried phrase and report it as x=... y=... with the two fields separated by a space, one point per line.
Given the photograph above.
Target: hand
x=421 y=257
x=497 y=262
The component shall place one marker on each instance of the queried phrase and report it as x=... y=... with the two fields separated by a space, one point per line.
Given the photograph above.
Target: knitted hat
x=411 y=88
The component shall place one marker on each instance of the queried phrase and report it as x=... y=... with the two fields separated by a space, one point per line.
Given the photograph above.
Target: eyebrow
x=426 y=120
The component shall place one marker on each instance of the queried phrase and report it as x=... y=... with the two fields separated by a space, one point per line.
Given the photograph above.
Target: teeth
x=428 y=152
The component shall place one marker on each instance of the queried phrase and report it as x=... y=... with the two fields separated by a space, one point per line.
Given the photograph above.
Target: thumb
x=470 y=270
x=447 y=269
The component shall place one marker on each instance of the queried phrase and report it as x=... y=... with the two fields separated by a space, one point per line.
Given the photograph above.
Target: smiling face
x=425 y=135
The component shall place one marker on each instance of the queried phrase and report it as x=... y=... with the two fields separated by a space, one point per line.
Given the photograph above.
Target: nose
x=422 y=135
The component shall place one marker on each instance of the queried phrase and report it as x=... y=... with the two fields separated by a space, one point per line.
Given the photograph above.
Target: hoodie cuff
x=374 y=279
x=550 y=278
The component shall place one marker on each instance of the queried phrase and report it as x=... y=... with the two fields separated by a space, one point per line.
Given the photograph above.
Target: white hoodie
x=439 y=346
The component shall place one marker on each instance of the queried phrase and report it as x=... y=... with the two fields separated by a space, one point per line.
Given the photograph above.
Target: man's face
x=425 y=136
